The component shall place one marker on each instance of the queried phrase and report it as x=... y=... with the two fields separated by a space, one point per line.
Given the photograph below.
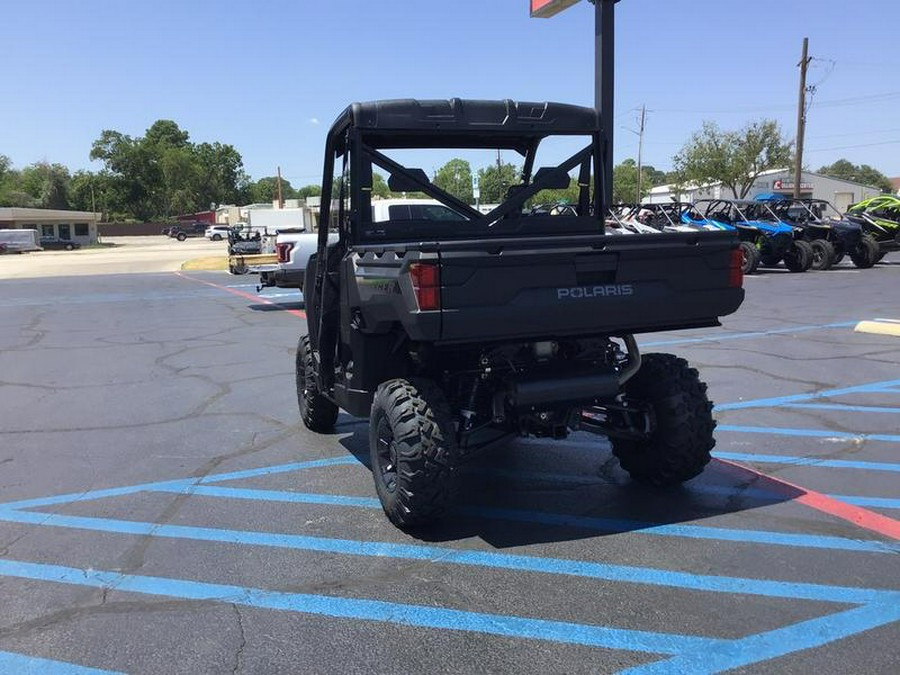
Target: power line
x=859 y=145
x=870 y=98
x=856 y=133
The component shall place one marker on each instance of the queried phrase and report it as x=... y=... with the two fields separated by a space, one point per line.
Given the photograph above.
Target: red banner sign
x=543 y=9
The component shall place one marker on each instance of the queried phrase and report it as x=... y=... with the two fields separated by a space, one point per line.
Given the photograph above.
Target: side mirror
x=404 y=182
x=556 y=179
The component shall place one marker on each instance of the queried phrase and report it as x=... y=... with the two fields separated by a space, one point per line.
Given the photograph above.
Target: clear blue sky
x=270 y=77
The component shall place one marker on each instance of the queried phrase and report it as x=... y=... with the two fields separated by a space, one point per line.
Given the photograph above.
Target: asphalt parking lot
x=162 y=510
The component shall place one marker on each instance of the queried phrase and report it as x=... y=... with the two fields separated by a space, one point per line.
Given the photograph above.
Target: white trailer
x=270 y=221
x=20 y=241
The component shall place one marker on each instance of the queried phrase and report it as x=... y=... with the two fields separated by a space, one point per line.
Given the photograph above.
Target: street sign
x=544 y=9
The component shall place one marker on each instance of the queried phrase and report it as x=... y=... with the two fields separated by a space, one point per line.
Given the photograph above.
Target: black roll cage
x=365 y=129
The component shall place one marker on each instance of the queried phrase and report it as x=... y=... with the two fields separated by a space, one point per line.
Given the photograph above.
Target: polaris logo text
x=606 y=291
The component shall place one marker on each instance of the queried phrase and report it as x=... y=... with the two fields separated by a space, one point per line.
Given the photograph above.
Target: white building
x=77 y=226
x=842 y=193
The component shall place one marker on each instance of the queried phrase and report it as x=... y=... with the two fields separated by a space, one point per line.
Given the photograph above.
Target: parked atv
x=670 y=217
x=773 y=240
x=831 y=236
x=879 y=218
x=451 y=335
x=623 y=219
x=751 y=238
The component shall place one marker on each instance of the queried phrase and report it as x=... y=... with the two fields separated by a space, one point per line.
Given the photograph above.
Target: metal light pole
x=604 y=87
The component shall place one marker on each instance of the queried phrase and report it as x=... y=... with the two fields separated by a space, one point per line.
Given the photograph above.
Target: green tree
x=266 y=190
x=864 y=174
x=163 y=174
x=568 y=195
x=733 y=158
x=654 y=176
x=221 y=178
x=309 y=191
x=166 y=134
x=455 y=177
x=494 y=183
x=12 y=190
x=100 y=191
x=5 y=168
x=379 y=186
x=45 y=184
x=625 y=182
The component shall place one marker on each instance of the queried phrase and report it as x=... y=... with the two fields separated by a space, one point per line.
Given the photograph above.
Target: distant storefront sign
x=789 y=185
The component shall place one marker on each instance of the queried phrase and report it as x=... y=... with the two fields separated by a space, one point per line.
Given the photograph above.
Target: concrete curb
x=879 y=327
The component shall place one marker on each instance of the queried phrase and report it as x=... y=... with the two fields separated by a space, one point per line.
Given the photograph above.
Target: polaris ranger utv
x=454 y=332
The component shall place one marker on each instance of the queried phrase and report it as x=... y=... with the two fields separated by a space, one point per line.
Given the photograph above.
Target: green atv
x=879 y=218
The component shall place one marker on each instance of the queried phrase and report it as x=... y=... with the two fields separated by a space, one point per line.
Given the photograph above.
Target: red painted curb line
x=864 y=518
x=248 y=296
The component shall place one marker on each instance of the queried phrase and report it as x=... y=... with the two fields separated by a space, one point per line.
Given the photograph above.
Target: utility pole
x=640 y=152
x=801 y=118
x=280 y=197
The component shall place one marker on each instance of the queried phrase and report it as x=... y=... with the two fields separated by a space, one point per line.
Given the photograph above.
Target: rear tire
x=317 y=412
x=217 y=237
x=413 y=450
x=181 y=236
x=682 y=441
x=823 y=254
x=751 y=257
x=799 y=256
x=866 y=255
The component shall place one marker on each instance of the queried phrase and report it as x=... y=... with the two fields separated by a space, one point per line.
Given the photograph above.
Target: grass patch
x=207 y=264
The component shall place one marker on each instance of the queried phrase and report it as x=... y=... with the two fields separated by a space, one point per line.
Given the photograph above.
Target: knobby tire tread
x=681 y=445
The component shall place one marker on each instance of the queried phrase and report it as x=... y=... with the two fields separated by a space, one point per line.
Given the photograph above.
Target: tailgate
x=624 y=284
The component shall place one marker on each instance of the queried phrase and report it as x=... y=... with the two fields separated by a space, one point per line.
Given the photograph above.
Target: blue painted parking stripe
x=180 y=484
x=487 y=559
x=280 y=468
x=772 y=644
x=873 y=388
x=367 y=610
x=255 y=495
x=842 y=407
x=873 y=502
x=689 y=531
x=619 y=526
x=808 y=461
x=19 y=664
x=720 y=337
x=812 y=433
x=732 y=491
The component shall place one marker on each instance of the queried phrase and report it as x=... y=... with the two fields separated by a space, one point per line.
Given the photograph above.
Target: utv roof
x=463 y=123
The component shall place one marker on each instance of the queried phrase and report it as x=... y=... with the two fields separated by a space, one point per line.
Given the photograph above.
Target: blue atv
x=765 y=240
x=750 y=237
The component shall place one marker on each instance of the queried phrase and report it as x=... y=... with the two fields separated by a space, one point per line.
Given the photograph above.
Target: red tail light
x=736 y=269
x=284 y=252
x=426 y=282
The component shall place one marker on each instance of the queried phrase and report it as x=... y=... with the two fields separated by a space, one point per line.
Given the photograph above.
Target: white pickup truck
x=294 y=246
